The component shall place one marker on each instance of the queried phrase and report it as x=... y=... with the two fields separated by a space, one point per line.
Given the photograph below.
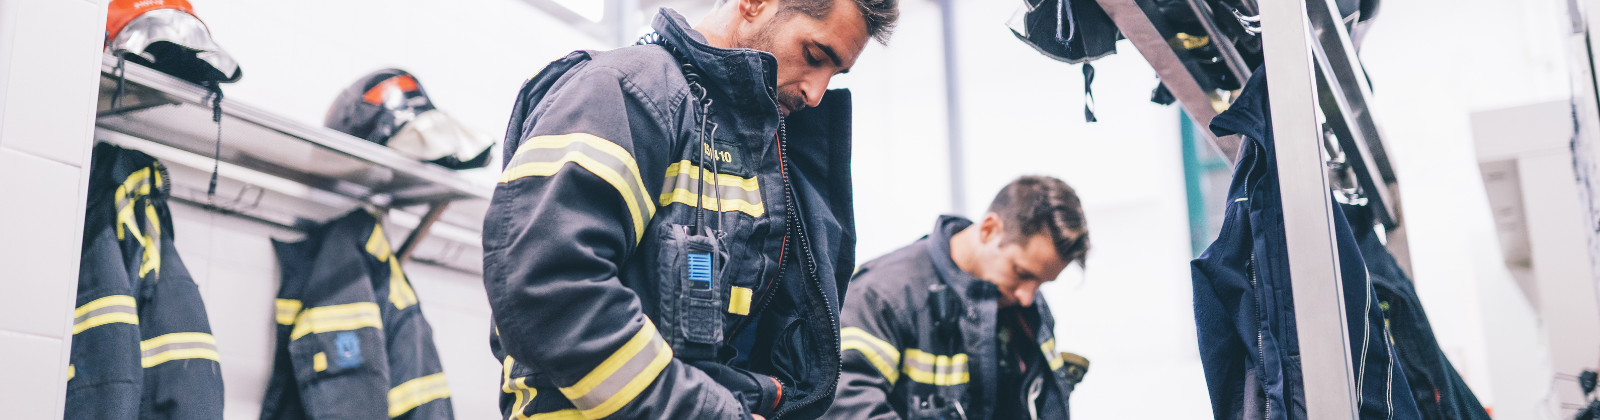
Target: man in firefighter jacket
x=672 y=230
x=953 y=327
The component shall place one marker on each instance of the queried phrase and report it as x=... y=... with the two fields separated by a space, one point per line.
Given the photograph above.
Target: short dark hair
x=879 y=14
x=1032 y=205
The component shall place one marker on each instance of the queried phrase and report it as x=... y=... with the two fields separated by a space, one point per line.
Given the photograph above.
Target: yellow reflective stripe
x=567 y=414
x=739 y=300
x=400 y=292
x=377 y=244
x=882 y=355
x=72 y=371
x=287 y=309
x=681 y=195
x=416 y=392
x=319 y=361
x=1049 y=349
x=937 y=370
x=622 y=376
x=105 y=310
x=519 y=387
x=687 y=168
x=624 y=176
x=177 y=346
x=350 y=316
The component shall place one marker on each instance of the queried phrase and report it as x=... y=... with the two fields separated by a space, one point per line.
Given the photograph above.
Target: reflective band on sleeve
x=346 y=317
x=739 y=300
x=178 y=346
x=287 y=309
x=546 y=155
x=736 y=193
x=416 y=392
x=622 y=376
x=518 y=387
x=882 y=355
x=937 y=370
x=106 y=310
x=567 y=414
x=1049 y=349
x=400 y=292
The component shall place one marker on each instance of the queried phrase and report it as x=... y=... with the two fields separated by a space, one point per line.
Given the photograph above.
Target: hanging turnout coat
x=687 y=270
x=1244 y=304
x=141 y=342
x=352 y=342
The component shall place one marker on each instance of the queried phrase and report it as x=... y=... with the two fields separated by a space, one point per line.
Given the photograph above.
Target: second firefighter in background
x=953 y=325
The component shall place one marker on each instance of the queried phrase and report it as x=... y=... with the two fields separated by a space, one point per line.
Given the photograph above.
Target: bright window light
x=593 y=10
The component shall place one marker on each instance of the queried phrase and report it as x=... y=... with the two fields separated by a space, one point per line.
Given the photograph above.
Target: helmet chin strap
x=216 y=116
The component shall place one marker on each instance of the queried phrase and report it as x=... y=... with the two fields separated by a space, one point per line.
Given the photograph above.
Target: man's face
x=1016 y=267
x=809 y=51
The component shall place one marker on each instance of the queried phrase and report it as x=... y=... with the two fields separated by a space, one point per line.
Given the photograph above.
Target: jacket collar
x=748 y=78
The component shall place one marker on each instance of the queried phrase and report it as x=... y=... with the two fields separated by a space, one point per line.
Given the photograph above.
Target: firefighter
x=953 y=326
x=672 y=231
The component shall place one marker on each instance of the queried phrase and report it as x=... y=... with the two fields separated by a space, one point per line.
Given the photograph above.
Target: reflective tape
x=178 y=346
x=347 y=317
x=882 y=355
x=287 y=309
x=400 y=292
x=1049 y=349
x=546 y=155
x=940 y=370
x=416 y=392
x=319 y=361
x=106 y=310
x=735 y=193
x=622 y=376
x=517 y=387
x=739 y=300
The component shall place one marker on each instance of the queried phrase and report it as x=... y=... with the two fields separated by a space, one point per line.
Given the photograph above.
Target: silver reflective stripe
x=613 y=385
x=127 y=309
x=546 y=155
x=151 y=352
x=719 y=192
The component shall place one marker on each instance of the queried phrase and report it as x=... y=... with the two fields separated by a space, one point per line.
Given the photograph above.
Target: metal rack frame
x=1317 y=81
x=305 y=173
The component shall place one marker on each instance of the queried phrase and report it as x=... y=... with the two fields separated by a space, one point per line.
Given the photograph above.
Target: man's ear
x=752 y=10
x=990 y=228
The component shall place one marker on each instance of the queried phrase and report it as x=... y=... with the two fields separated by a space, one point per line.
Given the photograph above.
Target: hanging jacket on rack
x=1244 y=304
x=1440 y=392
x=352 y=343
x=141 y=344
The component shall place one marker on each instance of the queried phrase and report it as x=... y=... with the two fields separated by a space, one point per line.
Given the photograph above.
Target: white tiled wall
x=49 y=60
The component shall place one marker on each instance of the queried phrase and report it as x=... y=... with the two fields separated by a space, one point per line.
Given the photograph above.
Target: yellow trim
x=739 y=300
x=606 y=173
x=377 y=244
x=647 y=336
x=939 y=363
x=171 y=355
x=682 y=195
x=523 y=392
x=287 y=309
x=685 y=167
x=125 y=318
x=319 y=361
x=113 y=300
x=1050 y=353
x=72 y=371
x=350 y=316
x=567 y=414
x=178 y=354
x=852 y=338
x=102 y=319
x=416 y=392
x=400 y=292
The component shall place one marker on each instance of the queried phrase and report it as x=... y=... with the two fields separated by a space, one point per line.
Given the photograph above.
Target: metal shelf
x=286 y=173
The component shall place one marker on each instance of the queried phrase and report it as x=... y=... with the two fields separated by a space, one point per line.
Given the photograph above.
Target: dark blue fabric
x=1243 y=298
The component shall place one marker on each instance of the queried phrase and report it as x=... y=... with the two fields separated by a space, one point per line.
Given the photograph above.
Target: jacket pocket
x=692 y=272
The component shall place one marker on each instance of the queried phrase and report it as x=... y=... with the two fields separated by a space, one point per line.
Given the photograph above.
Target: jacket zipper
x=783 y=250
x=803 y=249
x=1261 y=349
